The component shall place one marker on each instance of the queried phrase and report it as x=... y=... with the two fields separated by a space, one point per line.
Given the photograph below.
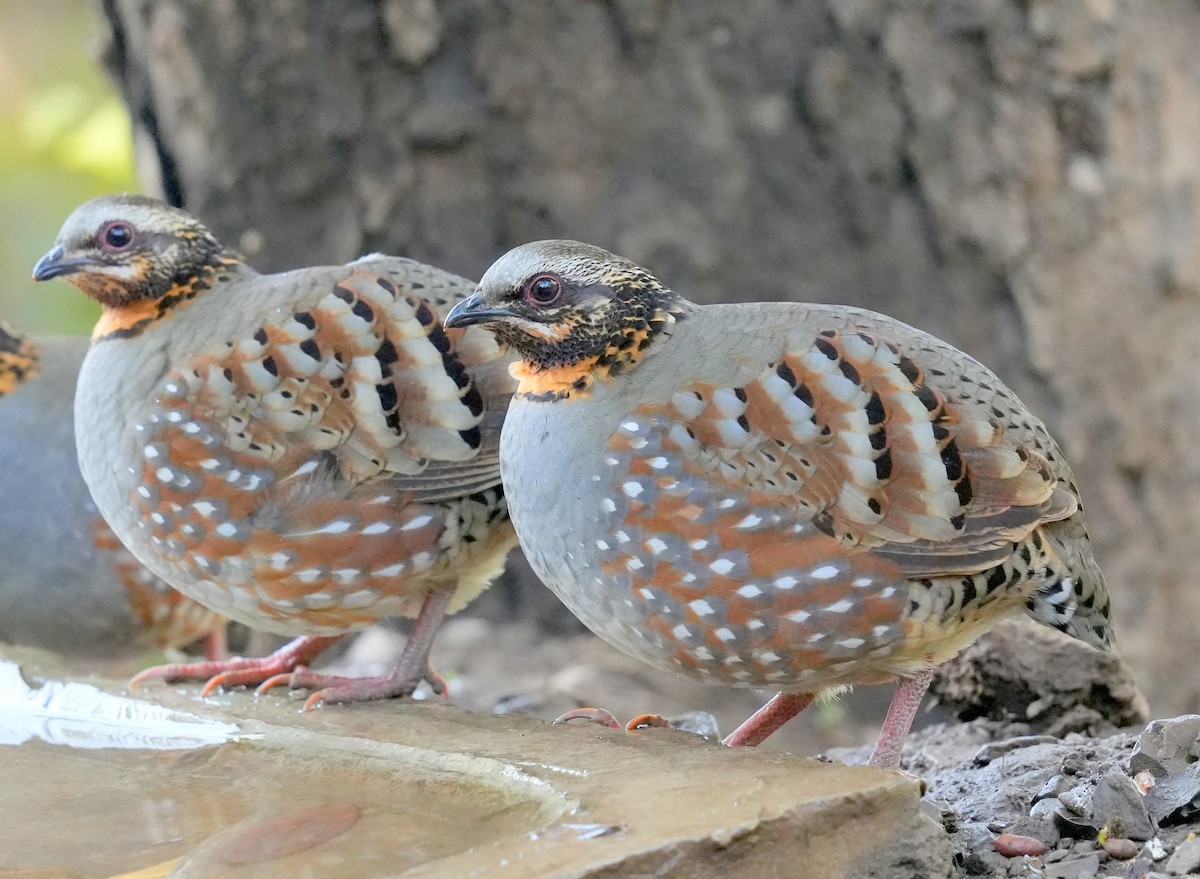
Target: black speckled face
x=122 y=250
x=563 y=304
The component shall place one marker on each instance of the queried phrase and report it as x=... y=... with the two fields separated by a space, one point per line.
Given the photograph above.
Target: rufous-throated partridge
x=780 y=495
x=304 y=452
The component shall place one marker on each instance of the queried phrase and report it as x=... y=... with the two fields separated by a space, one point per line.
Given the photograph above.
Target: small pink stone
x=1012 y=846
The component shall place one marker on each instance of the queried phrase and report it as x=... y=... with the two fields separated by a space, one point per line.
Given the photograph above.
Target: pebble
x=1078 y=799
x=1013 y=846
x=1121 y=849
x=1144 y=781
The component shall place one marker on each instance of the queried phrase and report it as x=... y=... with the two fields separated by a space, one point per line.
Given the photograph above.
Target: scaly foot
x=338 y=688
x=241 y=671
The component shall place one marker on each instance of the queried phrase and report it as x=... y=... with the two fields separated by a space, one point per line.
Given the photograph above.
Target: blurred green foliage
x=64 y=138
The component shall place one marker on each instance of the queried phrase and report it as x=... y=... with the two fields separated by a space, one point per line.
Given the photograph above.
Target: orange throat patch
x=131 y=320
x=554 y=383
x=623 y=352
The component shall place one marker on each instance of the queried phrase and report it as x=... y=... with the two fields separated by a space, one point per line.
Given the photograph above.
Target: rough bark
x=1018 y=176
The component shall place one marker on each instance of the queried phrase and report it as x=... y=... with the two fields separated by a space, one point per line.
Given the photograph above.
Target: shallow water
x=139 y=787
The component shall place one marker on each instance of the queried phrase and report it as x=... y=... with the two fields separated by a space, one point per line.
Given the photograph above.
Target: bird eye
x=116 y=236
x=542 y=289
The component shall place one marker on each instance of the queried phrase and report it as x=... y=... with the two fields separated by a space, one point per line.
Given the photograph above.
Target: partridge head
x=305 y=452
x=781 y=495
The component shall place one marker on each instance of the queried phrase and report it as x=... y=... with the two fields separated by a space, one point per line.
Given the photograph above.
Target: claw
x=437 y=683
x=155 y=671
x=648 y=721
x=272 y=682
x=216 y=682
x=594 y=715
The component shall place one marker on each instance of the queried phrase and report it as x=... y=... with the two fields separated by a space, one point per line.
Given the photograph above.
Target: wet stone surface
x=419 y=789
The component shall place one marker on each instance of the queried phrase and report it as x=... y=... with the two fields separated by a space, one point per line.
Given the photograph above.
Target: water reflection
x=81 y=716
x=102 y=785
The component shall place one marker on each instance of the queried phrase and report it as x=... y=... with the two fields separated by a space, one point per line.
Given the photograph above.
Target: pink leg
x=216 y=644
x=782 y=708
x=412 y=668
x=909 y=692
x=238 y=671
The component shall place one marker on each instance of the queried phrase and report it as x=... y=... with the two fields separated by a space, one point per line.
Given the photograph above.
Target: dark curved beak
x=470 y=311
x=52 y=265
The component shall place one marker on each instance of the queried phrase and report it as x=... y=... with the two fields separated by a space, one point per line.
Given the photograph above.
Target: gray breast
x=558 y=478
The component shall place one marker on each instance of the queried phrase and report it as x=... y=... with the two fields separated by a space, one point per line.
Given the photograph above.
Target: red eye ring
x=543 y=289
x=116 y=236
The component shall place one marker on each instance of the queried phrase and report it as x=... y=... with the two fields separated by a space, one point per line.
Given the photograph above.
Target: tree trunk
x=1020 y=177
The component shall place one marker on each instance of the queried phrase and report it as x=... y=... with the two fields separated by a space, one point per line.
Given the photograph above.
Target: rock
x=992 y=750
x=1175 y=797
x=1121 y=849
x=1075 y=764
x=1022 y=671
x=1072 y=868
x=1055 y=785
x=1141 y=867
x=1043 y=812
x=1078 y=800
x=919 y=850
x=700 y=723
x=1186 y=858
x=974 y=853
x=1167 y=746
x=1118 y=805
x=1075 y=826
x=1003 y=782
